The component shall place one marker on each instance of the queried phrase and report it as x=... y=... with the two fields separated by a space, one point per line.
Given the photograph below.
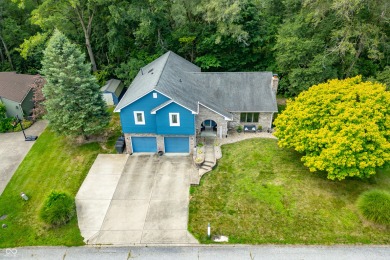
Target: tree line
x=305 y=41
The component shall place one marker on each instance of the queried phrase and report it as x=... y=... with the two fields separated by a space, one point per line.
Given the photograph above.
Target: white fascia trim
x=119 y=109
x=193 y=112
x=154 y=110
x=226 y=118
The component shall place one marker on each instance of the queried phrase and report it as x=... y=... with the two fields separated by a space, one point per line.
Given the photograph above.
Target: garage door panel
x=144 y=144
x=176 y=144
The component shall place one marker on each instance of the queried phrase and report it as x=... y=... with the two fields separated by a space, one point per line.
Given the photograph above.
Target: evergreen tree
x=74 y=103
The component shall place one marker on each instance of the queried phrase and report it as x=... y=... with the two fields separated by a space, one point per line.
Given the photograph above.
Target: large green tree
x=74 y=103
x=325 y=39
x=342 y=127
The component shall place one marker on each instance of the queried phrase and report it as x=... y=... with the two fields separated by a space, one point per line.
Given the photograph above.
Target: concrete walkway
x=13 y=149
x=139 y=199
x=209 y=157
x=234 y=137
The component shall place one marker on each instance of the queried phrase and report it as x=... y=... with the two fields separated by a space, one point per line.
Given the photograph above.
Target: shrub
x=239 y=128
x=26 y=124
x=374 y=205
x=259 y=127
x=340 y=127
x=5 y=123
x=58 y=209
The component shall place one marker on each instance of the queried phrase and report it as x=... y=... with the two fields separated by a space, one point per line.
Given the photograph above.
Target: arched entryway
x=208 y=128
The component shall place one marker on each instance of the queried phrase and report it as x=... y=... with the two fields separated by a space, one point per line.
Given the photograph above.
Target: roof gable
x=15 y=86
x=111 y=85
x=184 y=83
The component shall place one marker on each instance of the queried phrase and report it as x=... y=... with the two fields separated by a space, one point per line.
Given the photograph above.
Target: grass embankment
x=260 y=193
x=53 y=163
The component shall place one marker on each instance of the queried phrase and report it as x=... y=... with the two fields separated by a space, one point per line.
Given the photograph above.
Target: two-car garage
x=149 y=144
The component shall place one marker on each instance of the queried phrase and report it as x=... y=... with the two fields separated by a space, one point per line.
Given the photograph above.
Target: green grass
x=260 y=193
x=53 y=163
x=374 y=205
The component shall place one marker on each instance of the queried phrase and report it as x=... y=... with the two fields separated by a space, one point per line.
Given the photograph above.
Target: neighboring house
x=16 y=93
x=171 y=102
x=112 y=91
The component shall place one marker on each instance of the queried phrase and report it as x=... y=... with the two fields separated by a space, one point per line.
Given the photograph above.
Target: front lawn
x=260 y=193
x=53 y=163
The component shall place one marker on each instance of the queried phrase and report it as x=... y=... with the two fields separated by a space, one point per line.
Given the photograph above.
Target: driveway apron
x=149 y=204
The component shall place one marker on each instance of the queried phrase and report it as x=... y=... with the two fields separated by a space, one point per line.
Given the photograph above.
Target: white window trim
x=136 y=118
x=154 y=94
x=170 y=119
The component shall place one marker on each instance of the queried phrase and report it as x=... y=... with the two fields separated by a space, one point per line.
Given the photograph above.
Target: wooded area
x=306 y=42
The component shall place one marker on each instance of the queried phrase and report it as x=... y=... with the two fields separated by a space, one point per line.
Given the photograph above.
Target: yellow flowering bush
x=341 y=126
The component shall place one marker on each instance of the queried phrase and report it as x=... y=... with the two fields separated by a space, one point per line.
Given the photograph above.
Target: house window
x=249 y=117
x=154 y=95
x=139 y=117
x=174 y=119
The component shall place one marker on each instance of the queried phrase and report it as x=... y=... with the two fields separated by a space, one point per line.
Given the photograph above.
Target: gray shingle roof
x=111 y=85
x=15 y=86
x=184 y=82
x=240 y=91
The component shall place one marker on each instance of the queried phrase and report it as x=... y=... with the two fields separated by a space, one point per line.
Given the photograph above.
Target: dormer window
x=139 y=117
x=154 y=95
x=174 y=119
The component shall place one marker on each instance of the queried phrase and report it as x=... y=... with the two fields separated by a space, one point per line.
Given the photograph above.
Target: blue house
x=171 y=102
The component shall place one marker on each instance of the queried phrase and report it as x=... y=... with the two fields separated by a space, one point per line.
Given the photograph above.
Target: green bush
x=26 y=124
x=5 y=123
x=58 y=209
x=374 y=205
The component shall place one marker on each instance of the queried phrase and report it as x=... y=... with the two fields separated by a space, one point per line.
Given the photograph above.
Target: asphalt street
x=200 y=252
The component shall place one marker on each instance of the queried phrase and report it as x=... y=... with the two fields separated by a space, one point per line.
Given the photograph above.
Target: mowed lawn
x=260 y=193
x=53 y=163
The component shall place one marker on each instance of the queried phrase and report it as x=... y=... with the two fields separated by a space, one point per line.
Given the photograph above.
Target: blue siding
x=176 y=144
x=146 y=104
x=144 y=144
x=187 y=121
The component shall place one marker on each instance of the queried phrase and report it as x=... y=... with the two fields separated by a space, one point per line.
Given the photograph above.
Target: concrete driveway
x=13 y=149
x=144 y=203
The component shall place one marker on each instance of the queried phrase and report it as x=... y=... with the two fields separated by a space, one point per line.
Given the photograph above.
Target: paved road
x=13 y=149
x=202 y=252
x=139 y=199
